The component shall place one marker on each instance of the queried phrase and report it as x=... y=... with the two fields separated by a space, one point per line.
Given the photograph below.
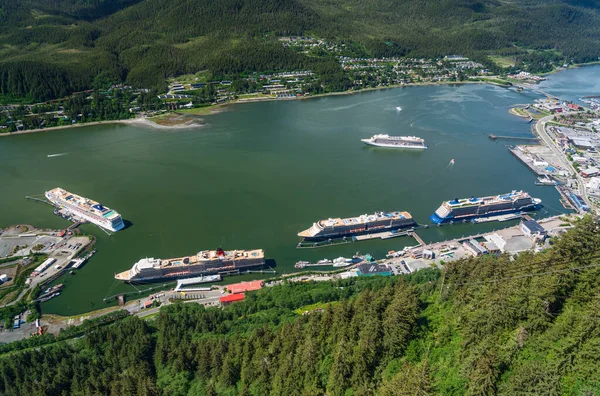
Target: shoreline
x=216 y=109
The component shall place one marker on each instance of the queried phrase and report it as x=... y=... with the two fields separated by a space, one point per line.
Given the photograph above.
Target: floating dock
x=195 y=281
x=381 y=235
x=506 y=217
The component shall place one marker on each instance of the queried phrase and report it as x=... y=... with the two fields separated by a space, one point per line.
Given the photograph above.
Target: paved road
x=540 y=127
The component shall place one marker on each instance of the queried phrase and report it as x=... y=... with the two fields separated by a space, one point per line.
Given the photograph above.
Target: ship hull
x=82 y=214
x=396 y=146
x=345 y=232
x=162 y=274
x=439 y=220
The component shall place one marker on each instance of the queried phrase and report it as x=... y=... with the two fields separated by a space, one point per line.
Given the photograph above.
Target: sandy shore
x=144 y=122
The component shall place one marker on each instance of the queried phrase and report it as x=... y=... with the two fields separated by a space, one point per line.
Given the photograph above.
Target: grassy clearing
x=503 y=61
x=312 y=307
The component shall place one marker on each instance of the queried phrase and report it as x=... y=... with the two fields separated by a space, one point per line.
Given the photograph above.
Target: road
x=540 y=128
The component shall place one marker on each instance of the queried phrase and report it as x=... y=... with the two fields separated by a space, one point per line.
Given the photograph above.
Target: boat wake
x=56 y=155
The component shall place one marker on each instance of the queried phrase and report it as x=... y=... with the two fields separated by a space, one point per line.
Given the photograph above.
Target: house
x=474 y=247
x=231 y=298
x=374 y=269
x=532 y=229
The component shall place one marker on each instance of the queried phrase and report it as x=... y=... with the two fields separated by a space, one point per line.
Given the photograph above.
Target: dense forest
x=521 y=326
x=51 y=48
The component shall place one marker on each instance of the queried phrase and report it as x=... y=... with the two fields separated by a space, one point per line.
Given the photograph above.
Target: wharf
x=517 y=153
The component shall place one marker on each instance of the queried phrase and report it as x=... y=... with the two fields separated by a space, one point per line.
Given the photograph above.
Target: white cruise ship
x=86 y=209
x=409 y=142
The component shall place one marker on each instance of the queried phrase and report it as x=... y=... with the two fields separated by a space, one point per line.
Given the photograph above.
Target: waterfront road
x=540 y=128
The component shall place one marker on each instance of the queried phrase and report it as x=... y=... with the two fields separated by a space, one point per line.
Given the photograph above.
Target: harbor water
x=256 y=174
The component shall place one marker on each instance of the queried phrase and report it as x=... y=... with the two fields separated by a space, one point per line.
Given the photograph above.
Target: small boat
x=324 y=261
x=398 y=108
x=301 y=264
x=452 y=161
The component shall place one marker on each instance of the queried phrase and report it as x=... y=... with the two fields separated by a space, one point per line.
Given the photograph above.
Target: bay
x=257 y=174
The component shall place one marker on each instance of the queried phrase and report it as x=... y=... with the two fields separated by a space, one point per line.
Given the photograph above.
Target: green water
x=257 y=174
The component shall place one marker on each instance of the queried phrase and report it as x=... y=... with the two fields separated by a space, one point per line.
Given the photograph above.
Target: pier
x=417 y=238
x=496 y=137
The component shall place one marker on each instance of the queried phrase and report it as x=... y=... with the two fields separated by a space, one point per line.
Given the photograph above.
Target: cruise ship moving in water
x=87 y=209
x=468 y=208
x=410 y=142
x=365 y=224
x=205 y=262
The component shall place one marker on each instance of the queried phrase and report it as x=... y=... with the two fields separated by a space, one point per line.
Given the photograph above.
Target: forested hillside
x=50 y=48
x=482 y=327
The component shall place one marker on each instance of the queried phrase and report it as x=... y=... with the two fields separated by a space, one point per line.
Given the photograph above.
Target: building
x=428 y=254
x=496 y=240
x=231 y=298
x=580 y=143
x=474 y=247
x=590 y=172
x=374 y=269
x=533 y=229
x=579 y=202
x=245 y=286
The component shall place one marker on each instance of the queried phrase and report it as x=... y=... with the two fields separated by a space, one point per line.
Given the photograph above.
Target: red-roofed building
x=231 y=298
x=245 y=286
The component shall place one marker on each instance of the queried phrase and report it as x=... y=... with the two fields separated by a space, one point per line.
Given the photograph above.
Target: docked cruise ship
x=86 y=209
x=409 y=142
x=206 y=262
x=364 y=224
x=469 y=208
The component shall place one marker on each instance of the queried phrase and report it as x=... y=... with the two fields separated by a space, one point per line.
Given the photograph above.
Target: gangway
x=39 y=200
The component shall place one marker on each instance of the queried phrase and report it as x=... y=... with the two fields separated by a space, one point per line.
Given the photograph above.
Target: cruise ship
x=206 y=262
x=364 y=224
x=409 y=142
x=86 y=209
x=469 y=208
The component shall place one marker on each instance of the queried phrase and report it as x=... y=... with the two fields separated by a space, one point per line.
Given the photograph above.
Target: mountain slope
x=486 y=326
x=62 y=45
